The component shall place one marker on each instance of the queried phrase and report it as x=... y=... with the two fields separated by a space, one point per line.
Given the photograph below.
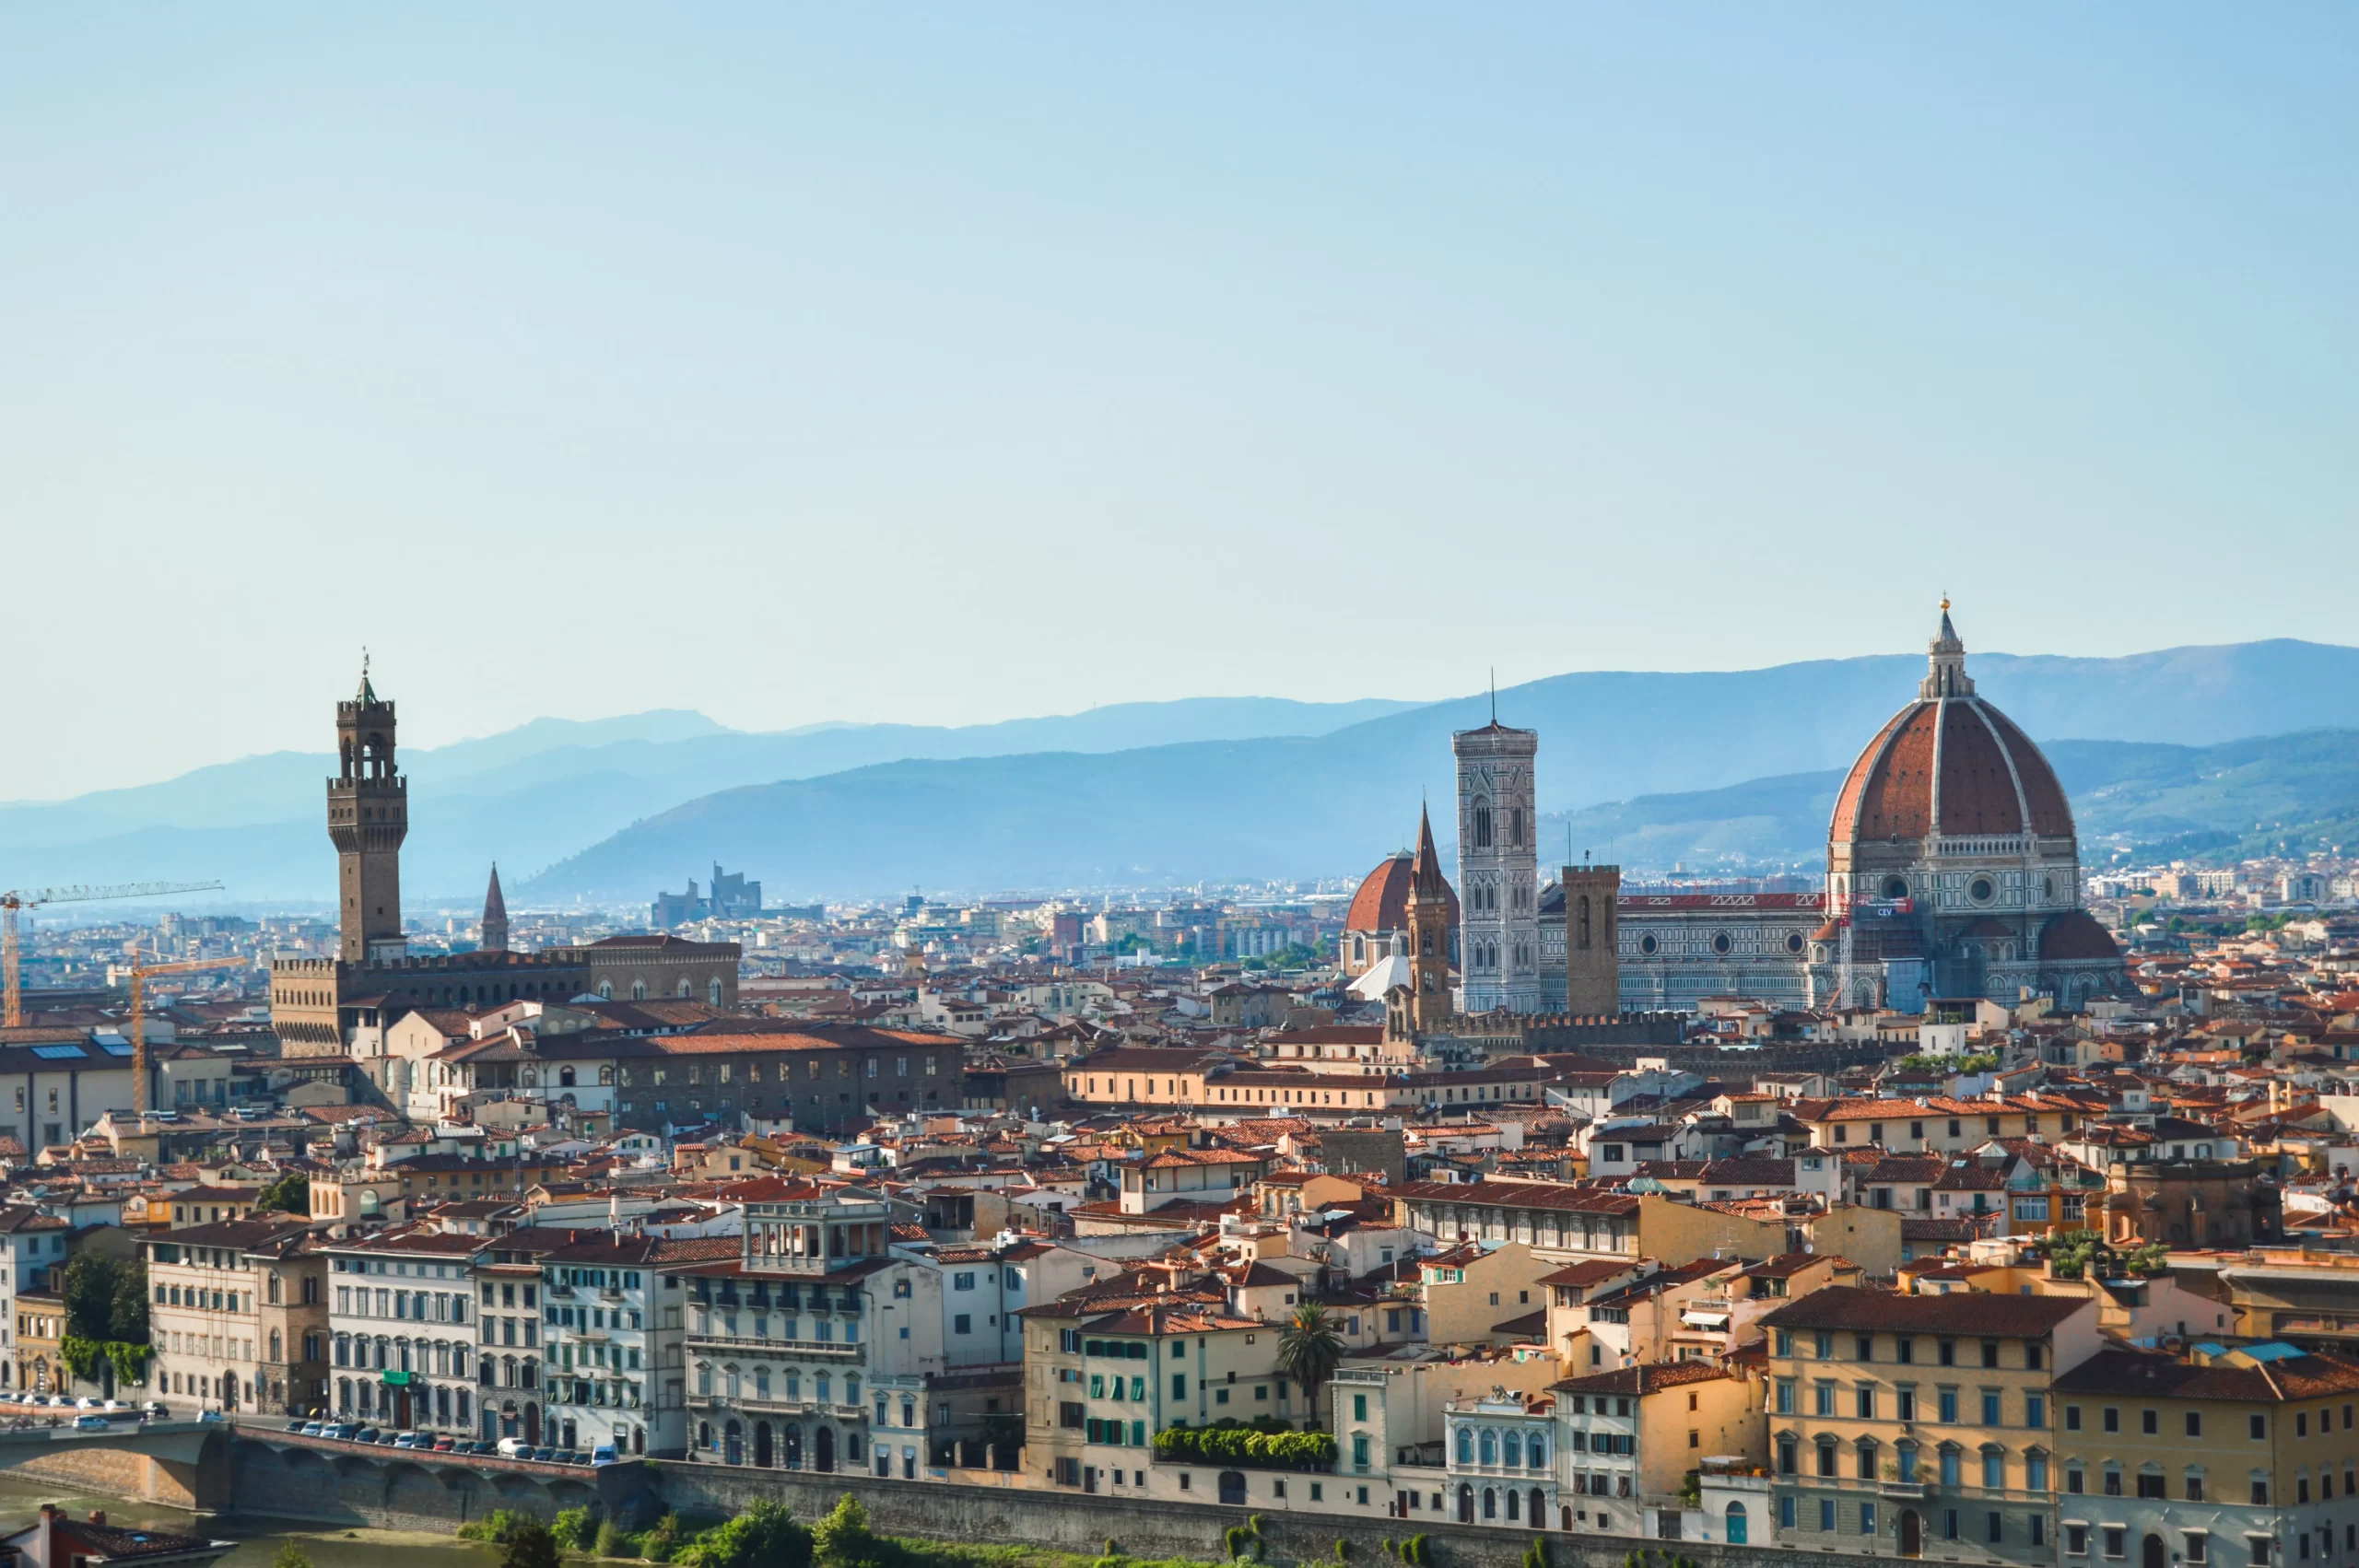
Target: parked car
x=604 y=1454
x=445 y=1444
x=515 y=1448
x=90 y=1423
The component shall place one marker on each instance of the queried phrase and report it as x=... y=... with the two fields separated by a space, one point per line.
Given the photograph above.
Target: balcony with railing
x=762 y=1344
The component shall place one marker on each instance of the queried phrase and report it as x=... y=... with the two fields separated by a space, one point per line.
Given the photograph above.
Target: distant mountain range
x=531 y=795
x=1699 y=768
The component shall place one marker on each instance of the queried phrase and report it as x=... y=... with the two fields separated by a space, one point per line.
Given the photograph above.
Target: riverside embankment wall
x=407 y=1496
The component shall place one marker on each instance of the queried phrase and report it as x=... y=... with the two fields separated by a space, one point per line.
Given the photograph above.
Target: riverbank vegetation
x=767 y=1536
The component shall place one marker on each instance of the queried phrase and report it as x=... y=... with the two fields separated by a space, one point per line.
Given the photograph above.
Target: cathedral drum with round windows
x=1953 y=866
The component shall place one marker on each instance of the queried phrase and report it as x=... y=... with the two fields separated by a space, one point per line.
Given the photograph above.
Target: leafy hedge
x=82 y=1356
x=1246 y=1449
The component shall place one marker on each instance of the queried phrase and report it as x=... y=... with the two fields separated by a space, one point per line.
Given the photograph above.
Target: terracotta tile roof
x=1849 y=1306
x=1657 y=1377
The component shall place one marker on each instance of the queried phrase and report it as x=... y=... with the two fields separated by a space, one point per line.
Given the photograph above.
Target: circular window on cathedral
x=1720 y=944
x=1896 y=888
x=1794 y=942
x=1980 y=890
x=1647 y=942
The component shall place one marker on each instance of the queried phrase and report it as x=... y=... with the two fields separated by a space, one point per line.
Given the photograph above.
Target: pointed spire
x=1945 y=674
x=1424 y=873
x=494 y=915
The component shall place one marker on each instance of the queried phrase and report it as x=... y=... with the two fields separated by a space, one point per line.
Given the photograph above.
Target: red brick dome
x=1949 y=764
x=2075 y=935
x=1382 y=901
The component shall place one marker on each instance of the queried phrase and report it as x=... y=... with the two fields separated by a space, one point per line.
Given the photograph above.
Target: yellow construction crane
x=28 y=898
x=139 y=972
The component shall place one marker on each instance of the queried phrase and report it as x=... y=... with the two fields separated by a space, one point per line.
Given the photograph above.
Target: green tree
x=574 y=1530
x=530 y=1545
x=89 y=1297
x=765 y=1536
x=289 y=1193
x=128 y=1313
x=1309 y=1347
x=292 y=1556
x=843 y=1539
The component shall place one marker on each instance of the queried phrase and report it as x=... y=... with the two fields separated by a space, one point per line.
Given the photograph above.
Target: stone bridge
x=293 y=1476
x=179 y=1464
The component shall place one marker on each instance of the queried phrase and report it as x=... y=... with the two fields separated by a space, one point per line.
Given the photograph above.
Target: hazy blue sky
x=948 y=363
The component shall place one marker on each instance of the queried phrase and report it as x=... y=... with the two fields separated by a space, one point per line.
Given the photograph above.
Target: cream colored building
x=207 y=1318
x=1920 y=1425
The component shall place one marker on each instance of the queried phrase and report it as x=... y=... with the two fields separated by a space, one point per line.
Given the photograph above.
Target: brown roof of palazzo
x=1849 y=1306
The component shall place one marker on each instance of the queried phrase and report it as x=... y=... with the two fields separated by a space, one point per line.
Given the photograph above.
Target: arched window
x=638 y=990
x=1490 y=1447
x=605 y=1076
x=1490 y=1503
x=1515 y=827
x=1481 y=825
x=1584 y=923
x=1538 y=1458
x=713 y=991
x=685 y=992
x=275 y=1340
x=565 y=1078
x=606 y=991
x=1465 y=1446
x=1511 y=1449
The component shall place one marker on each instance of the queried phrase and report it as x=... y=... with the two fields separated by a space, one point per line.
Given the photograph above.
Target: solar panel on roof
x=55 y=1053
x=113 y=1049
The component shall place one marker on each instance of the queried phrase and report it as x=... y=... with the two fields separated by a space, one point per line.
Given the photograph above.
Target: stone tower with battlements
x=1498 y=867
x=368 y=819
x=1593 y=963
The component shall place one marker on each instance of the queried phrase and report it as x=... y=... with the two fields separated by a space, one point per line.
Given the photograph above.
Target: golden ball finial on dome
x=1946 y=603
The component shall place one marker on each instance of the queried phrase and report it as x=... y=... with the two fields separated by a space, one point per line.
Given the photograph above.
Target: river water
x=258 y=1540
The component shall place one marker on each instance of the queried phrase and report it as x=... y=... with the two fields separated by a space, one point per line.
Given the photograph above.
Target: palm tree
x=1310 y=1349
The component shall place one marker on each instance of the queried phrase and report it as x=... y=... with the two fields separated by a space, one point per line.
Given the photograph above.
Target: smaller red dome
x=2076 y=935
x=1382 y=901
x=1831 y=931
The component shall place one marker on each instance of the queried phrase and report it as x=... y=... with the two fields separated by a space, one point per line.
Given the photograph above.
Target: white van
x=512 y=1447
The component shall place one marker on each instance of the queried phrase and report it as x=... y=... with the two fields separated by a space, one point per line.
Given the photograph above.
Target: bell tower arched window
x=1481 y=825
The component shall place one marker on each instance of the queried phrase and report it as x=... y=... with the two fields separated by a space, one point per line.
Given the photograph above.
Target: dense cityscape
x=1481 y=1194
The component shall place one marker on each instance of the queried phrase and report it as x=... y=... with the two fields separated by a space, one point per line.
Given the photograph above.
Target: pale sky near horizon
x=954 y=364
